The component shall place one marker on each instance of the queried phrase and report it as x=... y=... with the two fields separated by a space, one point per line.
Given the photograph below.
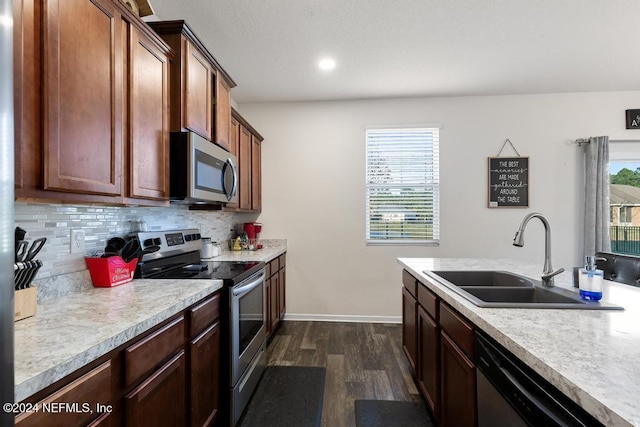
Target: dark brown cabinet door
x=282 y=294
x=83 y=96
x=160 y=399
x=149 y=120
x=198 y=91
x=267 y=309
x=256 y=174
x=429 y=361
x=410 y=327
x=204 y=376
x=244 y=169
x=273 y=302
x=223 y=113
x=458 y=398
x=234 y=148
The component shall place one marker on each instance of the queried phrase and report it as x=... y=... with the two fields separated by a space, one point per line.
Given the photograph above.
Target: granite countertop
x=271 y=250
x=76 y=323
x=592 y=356
x=71 y=331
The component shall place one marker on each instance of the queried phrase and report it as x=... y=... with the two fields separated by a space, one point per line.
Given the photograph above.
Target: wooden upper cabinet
x=149 y=119
x=82 y=94
x=244 y=169
x=96 y=77
x=200 y=88
x=223 y=113
x=256 y=174
x=234 y=148
x=198 y=91
x=246 y=145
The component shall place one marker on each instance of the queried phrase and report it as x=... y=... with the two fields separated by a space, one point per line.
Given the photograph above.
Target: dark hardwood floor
x=363 y=361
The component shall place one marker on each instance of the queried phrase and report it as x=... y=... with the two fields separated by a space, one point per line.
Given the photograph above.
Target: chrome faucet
x=518 y=240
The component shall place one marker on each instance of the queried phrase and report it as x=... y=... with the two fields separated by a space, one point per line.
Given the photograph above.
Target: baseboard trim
x=342 y=318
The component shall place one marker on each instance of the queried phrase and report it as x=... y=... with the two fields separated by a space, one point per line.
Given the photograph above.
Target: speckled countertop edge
x=591 y=356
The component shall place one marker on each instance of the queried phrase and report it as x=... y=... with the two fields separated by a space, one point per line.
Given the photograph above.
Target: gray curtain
x=596 y=200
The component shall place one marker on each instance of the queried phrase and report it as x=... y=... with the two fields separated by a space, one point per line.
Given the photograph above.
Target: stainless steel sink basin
x=502 y=289
x=485 y=278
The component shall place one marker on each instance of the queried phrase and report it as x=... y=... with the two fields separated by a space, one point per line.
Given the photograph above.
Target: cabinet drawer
x=92 y=388
x=267 y=270
x=203 y=314
x=410 y=283
x=283 y=260
x=144 y=356
x=428 y=300
x=459 y=330
x=275 y=266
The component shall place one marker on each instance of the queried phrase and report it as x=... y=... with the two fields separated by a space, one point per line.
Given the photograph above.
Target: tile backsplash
x=99 y=223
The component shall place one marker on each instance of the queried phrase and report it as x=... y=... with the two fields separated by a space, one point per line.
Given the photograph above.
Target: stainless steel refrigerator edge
x=6 y=209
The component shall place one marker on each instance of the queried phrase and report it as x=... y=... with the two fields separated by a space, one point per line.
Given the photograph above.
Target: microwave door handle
x=231 y=193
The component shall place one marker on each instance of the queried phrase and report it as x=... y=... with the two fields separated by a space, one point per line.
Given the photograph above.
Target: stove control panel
x=170 y=242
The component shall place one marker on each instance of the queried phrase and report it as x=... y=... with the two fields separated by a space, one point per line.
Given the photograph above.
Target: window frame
x=434 y=186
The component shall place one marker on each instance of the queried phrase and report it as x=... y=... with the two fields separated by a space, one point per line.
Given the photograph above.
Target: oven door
x=247 y=323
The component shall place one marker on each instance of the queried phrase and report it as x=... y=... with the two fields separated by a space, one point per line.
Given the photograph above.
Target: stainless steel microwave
x=200 y=171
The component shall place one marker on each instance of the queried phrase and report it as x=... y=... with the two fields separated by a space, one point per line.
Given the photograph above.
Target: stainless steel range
x=175 y=254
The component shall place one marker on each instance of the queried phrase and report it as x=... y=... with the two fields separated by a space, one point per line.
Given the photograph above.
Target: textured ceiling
x=400 y=48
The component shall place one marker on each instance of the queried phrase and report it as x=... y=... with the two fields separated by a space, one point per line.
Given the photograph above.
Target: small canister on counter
x=209 y=249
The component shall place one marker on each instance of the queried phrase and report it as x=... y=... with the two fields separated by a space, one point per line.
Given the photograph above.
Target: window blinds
x=402 y=187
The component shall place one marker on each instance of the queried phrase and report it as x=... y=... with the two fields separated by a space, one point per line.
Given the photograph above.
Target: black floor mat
x=391 y=413
x=287 y=396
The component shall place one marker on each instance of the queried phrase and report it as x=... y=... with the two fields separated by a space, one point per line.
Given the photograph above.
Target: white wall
x=313 y=186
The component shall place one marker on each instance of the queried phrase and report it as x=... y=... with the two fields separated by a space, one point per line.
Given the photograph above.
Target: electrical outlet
x=77 y=241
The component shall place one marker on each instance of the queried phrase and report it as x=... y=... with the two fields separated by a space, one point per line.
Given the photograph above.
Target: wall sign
x=633 y=119
x=508 y=182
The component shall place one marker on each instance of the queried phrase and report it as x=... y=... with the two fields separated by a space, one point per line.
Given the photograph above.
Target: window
x=402 y=187
x=624 y=196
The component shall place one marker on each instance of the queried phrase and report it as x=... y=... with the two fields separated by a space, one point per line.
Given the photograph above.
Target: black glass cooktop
x=230 y=271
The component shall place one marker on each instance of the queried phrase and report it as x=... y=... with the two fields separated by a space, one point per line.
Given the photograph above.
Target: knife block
x=25 y=303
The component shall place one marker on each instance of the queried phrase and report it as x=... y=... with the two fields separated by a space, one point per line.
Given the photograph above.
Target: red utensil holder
x=112 y=271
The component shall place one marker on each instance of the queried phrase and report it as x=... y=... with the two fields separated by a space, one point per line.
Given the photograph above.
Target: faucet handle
x=547 y=279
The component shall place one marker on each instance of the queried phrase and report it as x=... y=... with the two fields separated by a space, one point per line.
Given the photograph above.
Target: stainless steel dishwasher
x=511 y=394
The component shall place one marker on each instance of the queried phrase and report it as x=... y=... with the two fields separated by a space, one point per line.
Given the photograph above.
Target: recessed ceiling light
x=327 y=64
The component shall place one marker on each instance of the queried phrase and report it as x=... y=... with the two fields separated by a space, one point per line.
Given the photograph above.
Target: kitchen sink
x=502 y=289
x=485 y=278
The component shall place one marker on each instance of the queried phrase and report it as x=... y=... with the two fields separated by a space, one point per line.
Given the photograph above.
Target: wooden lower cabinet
x=429 y=361
x=275 y=293
x=439 y=345
x=282 y=294
x=160 y=399
x=410 y=327
x=92 y=389
x=204 y=376
x=169 y=376
x=274 y=310
x=458 y=376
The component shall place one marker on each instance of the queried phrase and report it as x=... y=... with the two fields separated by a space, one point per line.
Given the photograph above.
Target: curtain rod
x=581 y=141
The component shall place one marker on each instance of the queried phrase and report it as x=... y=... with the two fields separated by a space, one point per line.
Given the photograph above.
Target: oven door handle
x=249 y=286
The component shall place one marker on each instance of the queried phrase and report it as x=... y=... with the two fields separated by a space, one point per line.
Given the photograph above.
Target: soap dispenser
x=590 y=280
